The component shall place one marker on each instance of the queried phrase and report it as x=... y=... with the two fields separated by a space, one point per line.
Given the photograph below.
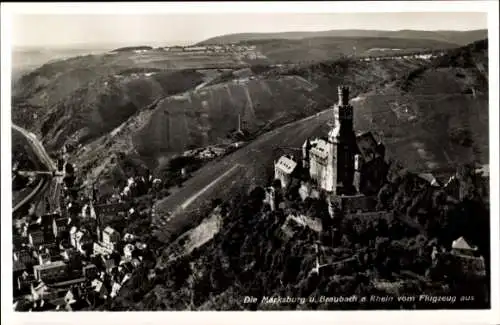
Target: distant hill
x=82 y=87
x=328 y=48
x=454 y=37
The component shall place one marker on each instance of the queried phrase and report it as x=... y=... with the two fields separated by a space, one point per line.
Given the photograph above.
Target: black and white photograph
x=290 y=161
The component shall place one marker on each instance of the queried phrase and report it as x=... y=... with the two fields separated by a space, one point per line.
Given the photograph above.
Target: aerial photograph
x=250 y=162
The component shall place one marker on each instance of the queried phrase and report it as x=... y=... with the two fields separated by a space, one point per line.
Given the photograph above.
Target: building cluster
x=58 y=254
x=72 y=258
x=250 y=50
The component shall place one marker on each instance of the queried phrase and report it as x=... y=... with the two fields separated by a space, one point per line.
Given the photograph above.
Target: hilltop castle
x=343 y=163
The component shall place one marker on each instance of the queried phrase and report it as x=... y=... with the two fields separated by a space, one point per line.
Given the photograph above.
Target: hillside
x=208 y=115
x=104 y=104
x=456 y=37
x=82 y=85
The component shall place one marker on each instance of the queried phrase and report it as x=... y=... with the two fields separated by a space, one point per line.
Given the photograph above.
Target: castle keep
x=343 y=163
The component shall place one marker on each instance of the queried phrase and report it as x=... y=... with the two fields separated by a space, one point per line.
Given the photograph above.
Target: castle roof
x=286 y=164
x=319 y=148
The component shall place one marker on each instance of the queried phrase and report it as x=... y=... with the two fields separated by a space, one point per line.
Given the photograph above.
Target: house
x=44 y=258
x=51 y=272
x=103 y=249
x=83 y=240
x=90 y=271
x=461 y=247
x=68 y=253
x=24 y=281
x=126 y=266
x=100 y=288
x=285 y=169
x=110 y=236
x=115 y=288
x=127 y=251
x=72 y=236
x=17 y=241
x=466 y=256
x=60 y=227
x=18 y=268
x=127 y=277
x=109 y=265
x=36 y=237
x=79 y=304
x=72 y=295
x=51 y=248
x=47 y=220
x=128 y=238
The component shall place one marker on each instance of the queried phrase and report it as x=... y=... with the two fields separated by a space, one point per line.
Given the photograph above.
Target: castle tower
x=341 y=148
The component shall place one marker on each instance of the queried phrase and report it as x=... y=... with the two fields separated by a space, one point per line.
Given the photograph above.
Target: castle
x=343 y=163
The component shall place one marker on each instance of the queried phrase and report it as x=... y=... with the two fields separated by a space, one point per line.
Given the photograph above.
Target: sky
x=71 y=29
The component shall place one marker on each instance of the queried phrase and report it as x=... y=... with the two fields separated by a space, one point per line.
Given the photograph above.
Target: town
x=75 y=257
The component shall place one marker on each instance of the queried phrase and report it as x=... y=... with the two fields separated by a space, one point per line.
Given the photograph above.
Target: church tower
x=341 y=148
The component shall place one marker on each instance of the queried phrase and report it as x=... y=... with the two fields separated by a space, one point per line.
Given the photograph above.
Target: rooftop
x=461 y=243
x=286 y=164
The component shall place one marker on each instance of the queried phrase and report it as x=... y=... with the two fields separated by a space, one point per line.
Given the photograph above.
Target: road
x=44 y=158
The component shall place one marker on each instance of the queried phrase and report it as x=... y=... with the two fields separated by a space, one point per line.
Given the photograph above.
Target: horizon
x=111 y=45
x=44 y=31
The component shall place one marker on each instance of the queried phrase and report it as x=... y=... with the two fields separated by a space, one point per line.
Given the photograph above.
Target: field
x=208 y=116
x=321 y=49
